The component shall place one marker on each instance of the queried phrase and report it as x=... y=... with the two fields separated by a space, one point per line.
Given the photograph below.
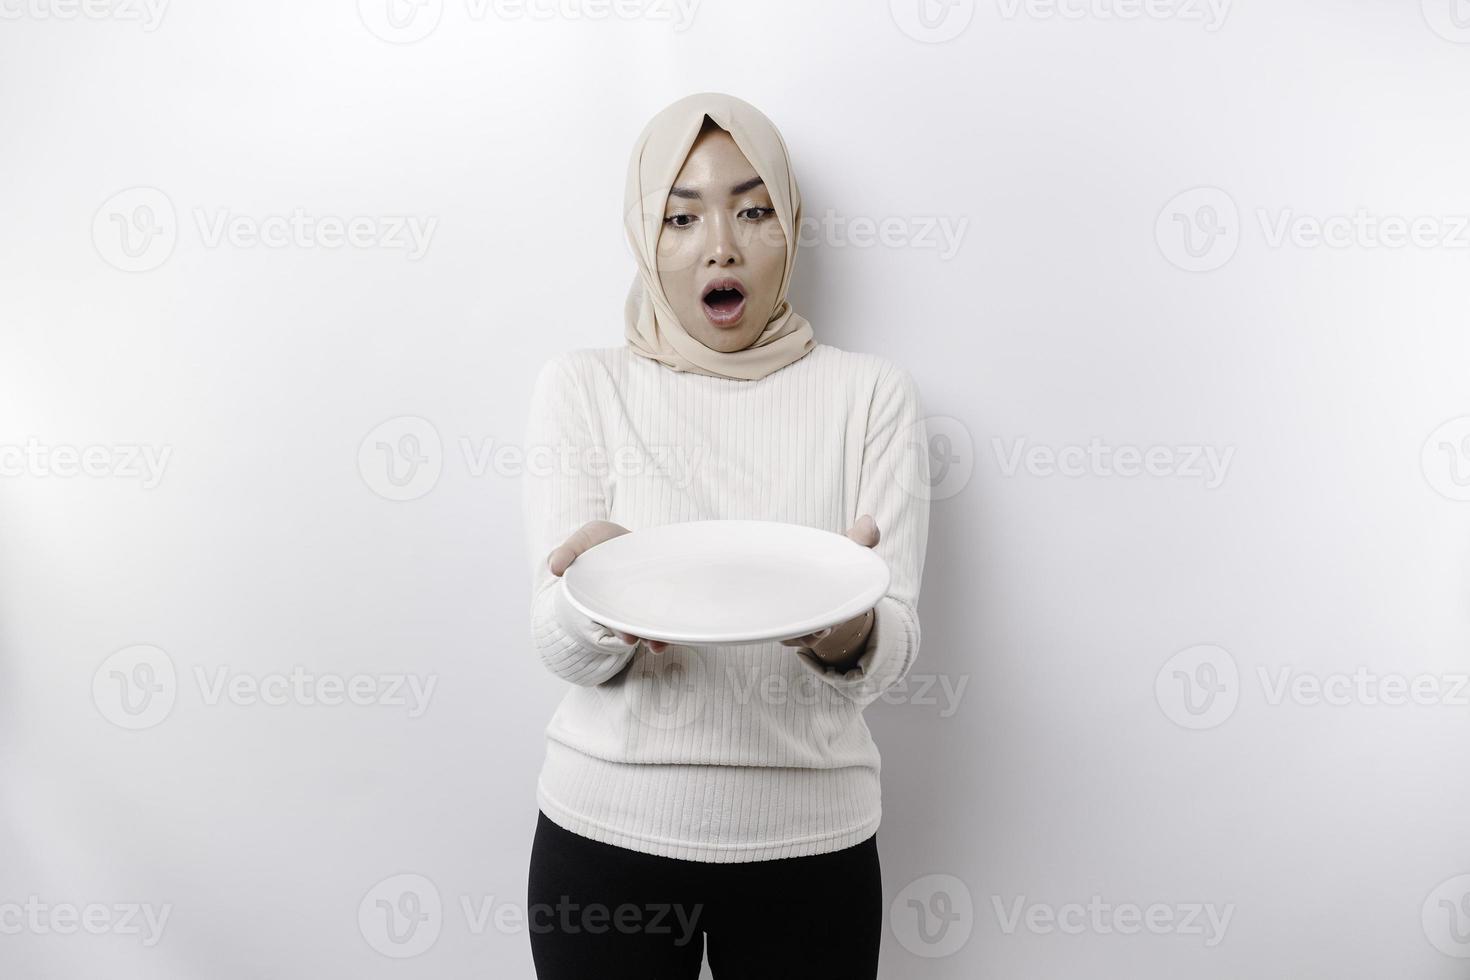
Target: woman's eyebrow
x=694 y=195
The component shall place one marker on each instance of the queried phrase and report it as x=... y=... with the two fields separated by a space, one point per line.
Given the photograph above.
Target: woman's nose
x=722 y=248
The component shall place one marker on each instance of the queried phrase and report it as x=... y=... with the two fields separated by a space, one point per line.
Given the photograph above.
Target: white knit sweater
x=731 y=753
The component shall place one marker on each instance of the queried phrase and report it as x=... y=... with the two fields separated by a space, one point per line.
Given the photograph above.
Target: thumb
x=865 y=531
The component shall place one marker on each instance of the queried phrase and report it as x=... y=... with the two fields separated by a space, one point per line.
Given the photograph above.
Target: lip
x=725 y=318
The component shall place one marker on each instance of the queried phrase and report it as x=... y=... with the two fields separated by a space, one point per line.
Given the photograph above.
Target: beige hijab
x=651 y=327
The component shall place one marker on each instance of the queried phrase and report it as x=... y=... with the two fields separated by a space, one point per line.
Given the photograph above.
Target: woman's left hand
x=836 y=642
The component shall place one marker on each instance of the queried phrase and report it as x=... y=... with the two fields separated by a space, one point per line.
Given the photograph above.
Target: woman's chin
x=725 y=339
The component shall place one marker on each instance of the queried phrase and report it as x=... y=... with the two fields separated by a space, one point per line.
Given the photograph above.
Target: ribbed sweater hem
x=700 y=806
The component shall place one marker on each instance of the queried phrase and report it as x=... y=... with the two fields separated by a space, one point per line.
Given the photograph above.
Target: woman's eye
x=679 y=220
x=757 y=214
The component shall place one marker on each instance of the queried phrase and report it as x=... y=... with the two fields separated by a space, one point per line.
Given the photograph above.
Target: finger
x=628 y=638
x=561 y=556
x=657 y=646
x=589 y=534
x=865 y=531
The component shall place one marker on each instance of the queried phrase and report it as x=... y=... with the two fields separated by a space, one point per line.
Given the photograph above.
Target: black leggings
x=599 y=912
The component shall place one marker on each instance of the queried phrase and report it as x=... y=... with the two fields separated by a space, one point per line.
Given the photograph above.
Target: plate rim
x=864 y=601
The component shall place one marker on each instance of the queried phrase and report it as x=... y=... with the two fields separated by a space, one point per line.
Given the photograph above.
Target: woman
x=719 y=796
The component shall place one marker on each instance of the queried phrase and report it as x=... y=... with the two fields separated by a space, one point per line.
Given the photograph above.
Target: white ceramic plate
x=725 y=581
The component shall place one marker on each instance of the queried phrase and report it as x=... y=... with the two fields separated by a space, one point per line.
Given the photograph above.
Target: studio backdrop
x=1182 y=284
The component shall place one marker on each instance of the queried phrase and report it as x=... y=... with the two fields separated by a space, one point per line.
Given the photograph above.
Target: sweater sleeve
x=561 y=491
x=894 y=488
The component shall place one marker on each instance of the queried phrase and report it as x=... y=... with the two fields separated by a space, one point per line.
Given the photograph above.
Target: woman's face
x=721 y=252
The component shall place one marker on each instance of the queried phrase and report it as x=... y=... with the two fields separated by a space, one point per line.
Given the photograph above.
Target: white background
x=1074 y=766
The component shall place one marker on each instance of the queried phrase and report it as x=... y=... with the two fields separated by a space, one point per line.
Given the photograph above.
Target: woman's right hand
x=584 y=537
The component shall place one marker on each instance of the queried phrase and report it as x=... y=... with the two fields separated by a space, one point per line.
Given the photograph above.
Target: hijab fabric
x=651 y=327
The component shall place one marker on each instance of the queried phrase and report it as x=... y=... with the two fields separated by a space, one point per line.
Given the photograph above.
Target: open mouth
x=724 y=301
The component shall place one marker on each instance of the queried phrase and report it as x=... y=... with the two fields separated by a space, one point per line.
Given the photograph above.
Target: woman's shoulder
x=580 y=364
x=863 y=367
x=582 y=357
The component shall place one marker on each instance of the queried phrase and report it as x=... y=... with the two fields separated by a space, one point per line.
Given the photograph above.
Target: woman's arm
x=881 y=645
x=561 y=494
